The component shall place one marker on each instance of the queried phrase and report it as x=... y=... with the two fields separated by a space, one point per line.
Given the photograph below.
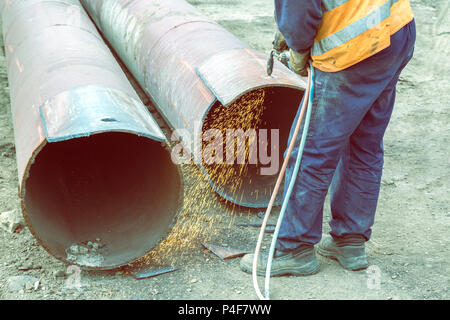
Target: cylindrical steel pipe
x=98 y=188
x=196 y=73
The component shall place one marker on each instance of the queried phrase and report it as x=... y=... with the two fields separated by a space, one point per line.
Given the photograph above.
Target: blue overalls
x=344 y=148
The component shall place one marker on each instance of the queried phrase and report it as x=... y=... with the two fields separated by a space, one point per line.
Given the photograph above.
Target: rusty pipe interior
x=250 y=183
x=113 y=189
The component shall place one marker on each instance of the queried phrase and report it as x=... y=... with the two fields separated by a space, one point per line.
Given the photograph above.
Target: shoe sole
x=311 y=268
x=352 y=264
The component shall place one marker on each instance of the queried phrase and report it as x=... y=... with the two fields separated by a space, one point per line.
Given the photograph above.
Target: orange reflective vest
x=354 y=30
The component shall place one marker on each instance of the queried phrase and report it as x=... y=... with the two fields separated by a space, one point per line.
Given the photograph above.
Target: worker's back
x=353 y=30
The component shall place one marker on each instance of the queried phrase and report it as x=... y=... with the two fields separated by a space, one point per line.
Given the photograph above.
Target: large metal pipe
x=196 y=72
x=97 y=187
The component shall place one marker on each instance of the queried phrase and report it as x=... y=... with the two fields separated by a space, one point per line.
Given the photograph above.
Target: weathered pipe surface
x=96 y=185
x=193 y=69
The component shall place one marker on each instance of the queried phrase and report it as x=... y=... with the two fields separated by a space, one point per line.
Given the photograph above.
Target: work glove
x=279 y=42
x=299 y=62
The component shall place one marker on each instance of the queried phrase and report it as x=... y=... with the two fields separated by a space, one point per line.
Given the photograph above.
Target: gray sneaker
x=348 y=250
x=299 y=262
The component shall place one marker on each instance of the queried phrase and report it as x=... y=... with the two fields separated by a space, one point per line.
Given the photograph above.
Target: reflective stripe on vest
x=353 y=30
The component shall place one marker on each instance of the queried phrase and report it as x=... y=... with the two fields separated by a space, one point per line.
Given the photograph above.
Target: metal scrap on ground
x=224 y=253
x=270 y=227
x=145 y=272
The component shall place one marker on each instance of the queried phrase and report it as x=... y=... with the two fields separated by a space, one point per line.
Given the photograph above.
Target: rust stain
x=19 y=66
x=255 y=58
x=185 y=121
x=205 y=92
x=187 y=65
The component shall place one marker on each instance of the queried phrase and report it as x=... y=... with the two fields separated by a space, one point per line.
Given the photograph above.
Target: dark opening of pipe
x=101 y=201
x=271 y=108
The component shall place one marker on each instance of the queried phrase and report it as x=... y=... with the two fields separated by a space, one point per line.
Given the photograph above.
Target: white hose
x=307 y=103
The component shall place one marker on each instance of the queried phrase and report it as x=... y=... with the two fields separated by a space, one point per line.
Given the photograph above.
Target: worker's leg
x=341 y=101
x=333 y=120
x=356 y=184
x=357 y=180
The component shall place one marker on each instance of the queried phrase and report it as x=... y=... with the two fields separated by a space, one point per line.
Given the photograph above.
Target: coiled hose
x=305 y=107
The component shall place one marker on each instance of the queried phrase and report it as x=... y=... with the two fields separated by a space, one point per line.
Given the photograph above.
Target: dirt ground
x=408 y=252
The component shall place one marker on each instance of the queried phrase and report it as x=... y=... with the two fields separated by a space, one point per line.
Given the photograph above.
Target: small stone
x=188 y=289
x=27 y=265
x=238 y=291
x=388 y=182
x=83 y=250
x=73 y=249
x=11 y=221
x=59 y=274
x=32 y=286
x=194 y=280
x=17 y=283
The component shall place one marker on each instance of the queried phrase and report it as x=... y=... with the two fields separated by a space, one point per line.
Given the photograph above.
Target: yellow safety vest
x=354 y=30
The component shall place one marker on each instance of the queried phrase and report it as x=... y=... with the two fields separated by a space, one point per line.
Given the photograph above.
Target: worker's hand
x=279 y=43
x=299 y=62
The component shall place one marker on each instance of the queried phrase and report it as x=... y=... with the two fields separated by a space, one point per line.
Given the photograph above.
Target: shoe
x=348 y=250
x=299 y=262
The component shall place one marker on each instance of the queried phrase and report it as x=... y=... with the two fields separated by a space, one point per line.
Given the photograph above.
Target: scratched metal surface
x=66 y=85
x=164 y=42
x=230 y=74
x=79 y=113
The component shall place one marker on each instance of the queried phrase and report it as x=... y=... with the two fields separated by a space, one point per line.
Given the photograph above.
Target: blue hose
x=291 y=184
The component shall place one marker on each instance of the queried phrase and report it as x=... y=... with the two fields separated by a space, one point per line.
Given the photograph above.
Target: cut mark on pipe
x=109 y=120
x=227 y=65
